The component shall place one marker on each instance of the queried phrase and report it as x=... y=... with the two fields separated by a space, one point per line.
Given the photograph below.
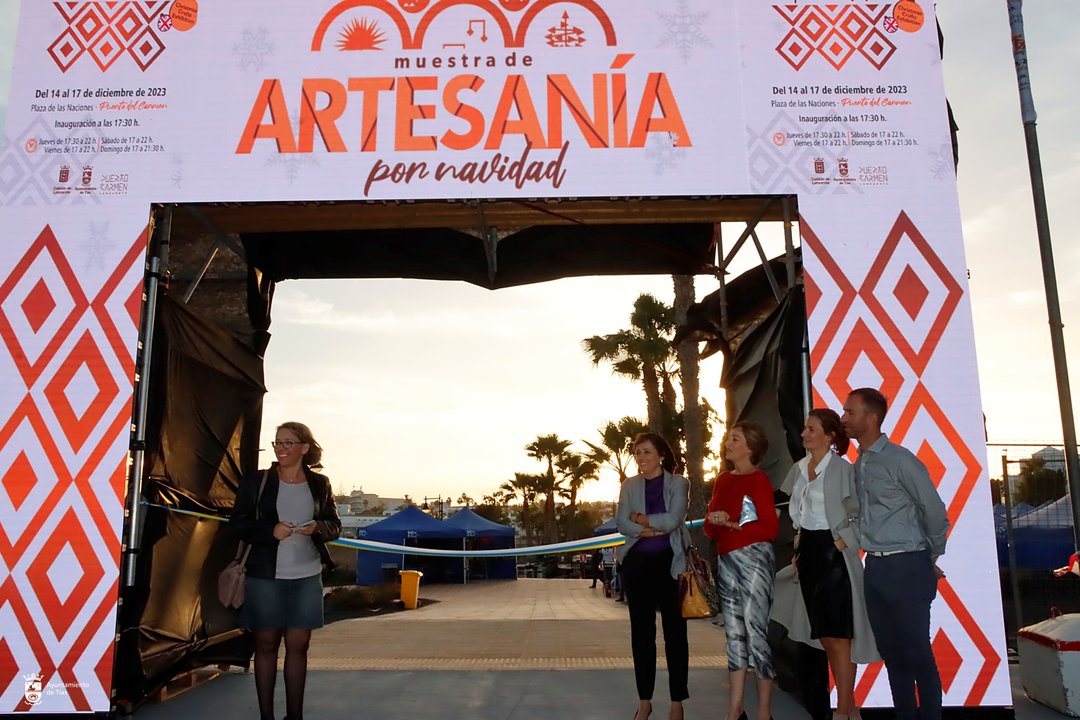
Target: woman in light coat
x=652 y=513
x=819 y=598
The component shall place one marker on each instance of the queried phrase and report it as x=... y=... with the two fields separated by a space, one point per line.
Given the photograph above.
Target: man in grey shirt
x=904 y=525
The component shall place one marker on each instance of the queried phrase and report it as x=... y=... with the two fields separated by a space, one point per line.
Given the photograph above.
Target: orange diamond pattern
x=909 y=297
x=63 y=454
x=38 y=305
x=948 y=658
x=19 y=480
x=835 y=33
x=107 y=31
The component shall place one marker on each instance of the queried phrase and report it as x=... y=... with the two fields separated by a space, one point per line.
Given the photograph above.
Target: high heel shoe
x=647 y=715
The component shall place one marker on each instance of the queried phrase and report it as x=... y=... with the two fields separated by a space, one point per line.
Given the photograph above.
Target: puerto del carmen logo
x=503 y=94
x=511 y=21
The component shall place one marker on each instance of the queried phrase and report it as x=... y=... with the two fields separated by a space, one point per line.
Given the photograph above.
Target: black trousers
x=650 y=587
x=899 y=589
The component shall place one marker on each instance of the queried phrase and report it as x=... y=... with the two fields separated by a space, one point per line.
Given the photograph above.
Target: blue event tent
x=410 y=526
x=1043 y=536
x=483 y=534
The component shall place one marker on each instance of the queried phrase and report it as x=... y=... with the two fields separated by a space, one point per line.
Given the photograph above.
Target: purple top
x=654 y=504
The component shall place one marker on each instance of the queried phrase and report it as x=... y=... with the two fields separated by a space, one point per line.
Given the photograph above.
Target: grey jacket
x=841 y=511
x=676 y=497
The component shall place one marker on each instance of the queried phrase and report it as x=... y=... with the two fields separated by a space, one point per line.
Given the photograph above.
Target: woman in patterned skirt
x=745 y=563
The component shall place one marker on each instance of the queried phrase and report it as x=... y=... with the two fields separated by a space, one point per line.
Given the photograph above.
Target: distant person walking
x=287 y=514
x=652 y=513
x=829 y=611
x=596 y=561
x=903 y=524
x=608 y=563
x=744 y=534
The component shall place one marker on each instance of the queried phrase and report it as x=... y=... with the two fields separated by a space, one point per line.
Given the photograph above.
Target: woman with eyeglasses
x=287 y=514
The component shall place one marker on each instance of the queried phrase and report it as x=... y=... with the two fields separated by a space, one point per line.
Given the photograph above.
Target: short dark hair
x=830 y=423
x=667 y=457
x=303 y=432
x=756 y=439
x=872 y=400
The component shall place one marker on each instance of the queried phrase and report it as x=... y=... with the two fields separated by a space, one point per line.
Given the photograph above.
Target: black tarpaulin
x=534 y=254
x=202 y=436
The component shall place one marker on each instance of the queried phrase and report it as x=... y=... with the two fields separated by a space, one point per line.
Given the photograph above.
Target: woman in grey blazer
x=652 y=510
x=820 y=597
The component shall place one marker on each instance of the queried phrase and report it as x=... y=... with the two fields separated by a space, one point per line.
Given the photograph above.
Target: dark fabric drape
x=764 y=378
x=203 y=421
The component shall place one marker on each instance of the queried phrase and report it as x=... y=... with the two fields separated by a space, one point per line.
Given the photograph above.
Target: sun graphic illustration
x=361 y=35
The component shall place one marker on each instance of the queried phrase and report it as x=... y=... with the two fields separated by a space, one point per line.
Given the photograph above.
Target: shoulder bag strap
x=243 y=548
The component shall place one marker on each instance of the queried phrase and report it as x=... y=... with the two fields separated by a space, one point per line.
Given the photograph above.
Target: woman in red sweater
x=745 y=563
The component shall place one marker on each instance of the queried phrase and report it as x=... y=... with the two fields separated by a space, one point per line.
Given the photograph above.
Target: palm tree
x=642 y=352
x=693 y=417
x=576 y=469
x=547 y=448
x=526 y=485
x=614 y=448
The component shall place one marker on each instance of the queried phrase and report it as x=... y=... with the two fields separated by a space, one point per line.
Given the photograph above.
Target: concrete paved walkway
x=561 y=651
x=526 y=624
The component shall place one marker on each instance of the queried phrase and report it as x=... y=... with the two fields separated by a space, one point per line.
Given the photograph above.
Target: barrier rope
x=572 y=546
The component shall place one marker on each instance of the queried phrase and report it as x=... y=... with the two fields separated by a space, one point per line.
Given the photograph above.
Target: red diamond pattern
x=948 y=659
x=834 y=32
x=109 y=30
x=904 y=237
x=79 y=423
x=911 y=292
x=906 y=278
x=62 y=604
x=19 y=480
x=38 y=305
x=61 y=504
x=31 y=348
x=66 y=49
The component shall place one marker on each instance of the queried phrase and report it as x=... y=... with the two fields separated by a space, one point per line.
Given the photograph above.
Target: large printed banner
x=116 y=105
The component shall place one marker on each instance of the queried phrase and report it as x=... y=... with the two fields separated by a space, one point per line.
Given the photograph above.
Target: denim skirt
x=283 y=604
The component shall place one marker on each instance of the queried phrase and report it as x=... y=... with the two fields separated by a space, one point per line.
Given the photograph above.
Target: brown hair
x=756 y=439
x=303 y=432
x=830 y=423
x=873 y=401
x=667 y=458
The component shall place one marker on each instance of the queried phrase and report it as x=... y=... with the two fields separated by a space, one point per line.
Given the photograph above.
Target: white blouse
x=807 y=506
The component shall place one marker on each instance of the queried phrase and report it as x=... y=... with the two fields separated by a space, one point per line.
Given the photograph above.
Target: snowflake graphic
x=683 y=29
x=253 y=49
x=941 y=162
x=662 y=151
x=293 y=163
x=177 y=176
x=97 y=242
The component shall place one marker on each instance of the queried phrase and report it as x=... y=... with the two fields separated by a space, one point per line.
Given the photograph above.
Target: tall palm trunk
x=693 y=415
x=650 y=379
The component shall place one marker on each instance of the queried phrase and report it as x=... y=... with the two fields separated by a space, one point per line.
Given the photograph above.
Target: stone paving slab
x=500 y=625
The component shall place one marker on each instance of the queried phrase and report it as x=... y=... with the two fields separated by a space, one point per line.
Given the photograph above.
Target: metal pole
x=1046 y=252
x=142 y=396
x=789 y=244
x=1006 y=491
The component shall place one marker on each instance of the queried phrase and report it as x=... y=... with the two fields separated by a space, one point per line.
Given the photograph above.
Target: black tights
x=267 y=643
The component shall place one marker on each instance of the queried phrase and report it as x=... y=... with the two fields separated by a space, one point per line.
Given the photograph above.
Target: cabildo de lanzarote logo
x=463 y=76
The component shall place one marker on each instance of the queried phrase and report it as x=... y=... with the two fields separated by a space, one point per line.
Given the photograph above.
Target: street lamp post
x=436 y=501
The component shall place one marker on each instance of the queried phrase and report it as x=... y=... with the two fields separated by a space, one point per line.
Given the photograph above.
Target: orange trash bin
x=410 y=588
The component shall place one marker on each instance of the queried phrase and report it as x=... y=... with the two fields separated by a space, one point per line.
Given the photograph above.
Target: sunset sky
x=432 y=388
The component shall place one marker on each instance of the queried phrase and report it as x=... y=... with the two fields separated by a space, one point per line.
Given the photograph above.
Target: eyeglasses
x=285 y=444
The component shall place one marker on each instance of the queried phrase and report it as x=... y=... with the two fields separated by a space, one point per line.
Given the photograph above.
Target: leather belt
x=884 y=553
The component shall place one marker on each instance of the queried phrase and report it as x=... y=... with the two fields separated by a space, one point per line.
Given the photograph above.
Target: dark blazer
x=259 y=532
